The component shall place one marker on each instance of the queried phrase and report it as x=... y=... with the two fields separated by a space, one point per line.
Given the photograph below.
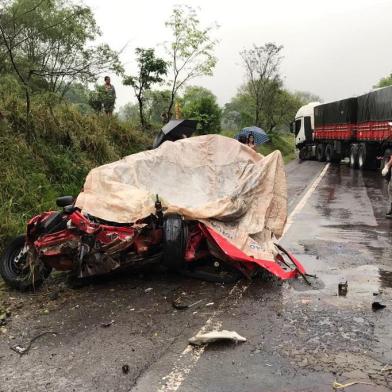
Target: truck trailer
x=358 y=128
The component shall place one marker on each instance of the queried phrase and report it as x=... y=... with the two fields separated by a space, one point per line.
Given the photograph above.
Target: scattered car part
x=378 y=306
x=342 y=289
x=177 y=305
x=214 y=336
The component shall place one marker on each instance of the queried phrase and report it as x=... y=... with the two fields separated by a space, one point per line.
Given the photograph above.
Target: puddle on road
x=366 y=283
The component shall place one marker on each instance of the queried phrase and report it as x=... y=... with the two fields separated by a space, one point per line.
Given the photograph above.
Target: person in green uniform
x=110 y=97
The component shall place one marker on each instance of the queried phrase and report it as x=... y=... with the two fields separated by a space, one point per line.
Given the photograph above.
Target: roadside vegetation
x=52 y=126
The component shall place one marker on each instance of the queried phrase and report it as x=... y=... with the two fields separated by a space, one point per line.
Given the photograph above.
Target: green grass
x=55 y=160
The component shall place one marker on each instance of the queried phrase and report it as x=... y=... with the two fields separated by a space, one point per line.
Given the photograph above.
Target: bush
x=65 y=144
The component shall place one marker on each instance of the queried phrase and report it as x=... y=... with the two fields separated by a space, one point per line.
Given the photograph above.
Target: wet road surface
x=299 y=338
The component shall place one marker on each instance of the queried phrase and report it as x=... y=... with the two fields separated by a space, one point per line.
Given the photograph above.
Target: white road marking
x=304 y=199
x=190 y=356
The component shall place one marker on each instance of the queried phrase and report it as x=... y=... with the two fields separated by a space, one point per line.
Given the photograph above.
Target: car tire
x=13 y=275
x=175 y=236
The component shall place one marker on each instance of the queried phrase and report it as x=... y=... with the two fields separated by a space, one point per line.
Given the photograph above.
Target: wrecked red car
x=207 y=206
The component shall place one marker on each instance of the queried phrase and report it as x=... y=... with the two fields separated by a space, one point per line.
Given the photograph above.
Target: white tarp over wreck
x=212 y=178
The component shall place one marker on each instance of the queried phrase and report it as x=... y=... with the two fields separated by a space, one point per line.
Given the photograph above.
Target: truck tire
x=354 y=156
x=303 y=154
x=175 y=236
x=320 y=152
x=367 y=157
x=361 y=157
x=329 y=153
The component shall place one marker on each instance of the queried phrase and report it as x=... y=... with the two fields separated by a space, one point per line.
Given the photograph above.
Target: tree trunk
x=169 y=109
x=141 y=114
x=28 y=113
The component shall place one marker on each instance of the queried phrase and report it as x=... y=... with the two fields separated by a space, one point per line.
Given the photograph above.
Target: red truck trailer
x=358 y=128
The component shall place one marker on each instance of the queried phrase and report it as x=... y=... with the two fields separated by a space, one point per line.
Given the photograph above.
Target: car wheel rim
x=16 y=263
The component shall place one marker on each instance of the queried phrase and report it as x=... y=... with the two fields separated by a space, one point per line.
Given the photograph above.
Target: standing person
x=251 y=141
x=110 y=96
x=386 y=172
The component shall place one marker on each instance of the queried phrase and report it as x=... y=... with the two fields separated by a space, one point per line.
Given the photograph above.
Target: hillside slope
x=54 y=159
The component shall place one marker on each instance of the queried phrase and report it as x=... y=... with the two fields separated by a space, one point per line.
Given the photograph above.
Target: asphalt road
x=299 y=338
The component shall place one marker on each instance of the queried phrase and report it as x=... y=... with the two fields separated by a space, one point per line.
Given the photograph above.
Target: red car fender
x=236 y=254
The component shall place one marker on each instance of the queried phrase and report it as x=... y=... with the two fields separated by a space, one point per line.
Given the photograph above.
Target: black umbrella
x=174 y=130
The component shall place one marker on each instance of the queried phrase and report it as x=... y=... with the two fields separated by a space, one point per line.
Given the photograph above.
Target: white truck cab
x=303 y=124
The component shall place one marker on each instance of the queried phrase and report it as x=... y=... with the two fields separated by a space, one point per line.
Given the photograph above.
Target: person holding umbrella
x=251 y=141
x=254 y=136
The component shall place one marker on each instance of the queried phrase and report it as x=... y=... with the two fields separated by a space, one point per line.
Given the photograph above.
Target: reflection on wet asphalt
x=299 y=338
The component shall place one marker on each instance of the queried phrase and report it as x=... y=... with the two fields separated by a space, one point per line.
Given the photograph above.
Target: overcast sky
x=332 y=48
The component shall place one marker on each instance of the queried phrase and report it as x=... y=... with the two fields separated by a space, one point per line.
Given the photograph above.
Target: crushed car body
x=207 y=206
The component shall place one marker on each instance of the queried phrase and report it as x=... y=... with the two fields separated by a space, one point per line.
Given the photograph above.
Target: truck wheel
x=329 y=153
x=362 y=159
x=367 y=157
x=320 y=153
x=354 y=156
x=303 y=154
x=175 y=236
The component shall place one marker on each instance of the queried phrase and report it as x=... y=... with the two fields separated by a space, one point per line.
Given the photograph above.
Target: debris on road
x=387 y=368
x=337 y=385
x=210 y=304
x=177 y=305
x=24 y=350
x=148 y=290
x=377 y=306
x=342 y=289
x=214 y=336
x=125 y=369
x=107 y=325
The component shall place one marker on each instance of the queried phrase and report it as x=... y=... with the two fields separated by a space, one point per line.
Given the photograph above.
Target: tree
x=200 y=104
x=150 y=71
x=79 y=95
x=263 y=79
x=48 y=44
x=306 y=97
x=129 y=113
x=239 y=112
x=276 y=113
x=384 y=82
x=281 y=110
x=156 y=104
x=190 y=51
